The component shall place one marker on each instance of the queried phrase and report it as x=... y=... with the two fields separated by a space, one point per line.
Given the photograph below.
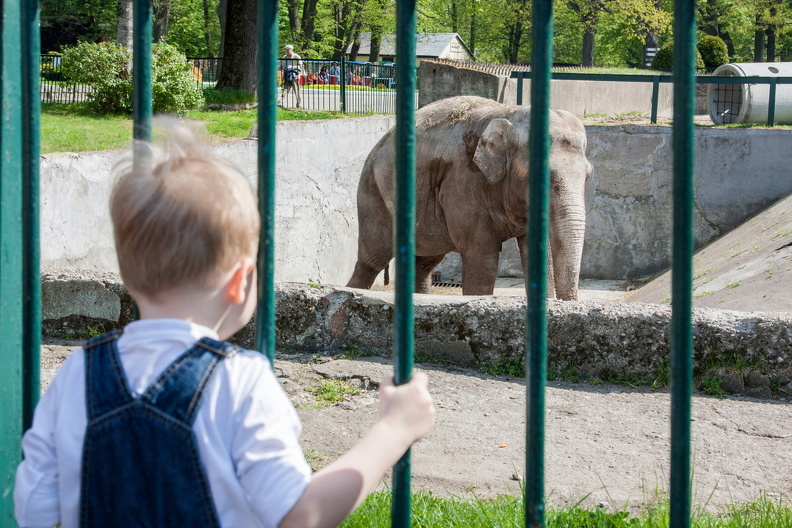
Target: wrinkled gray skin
x=471 y=177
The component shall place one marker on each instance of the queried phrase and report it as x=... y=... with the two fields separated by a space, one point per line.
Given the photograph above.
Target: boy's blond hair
x=183 y=221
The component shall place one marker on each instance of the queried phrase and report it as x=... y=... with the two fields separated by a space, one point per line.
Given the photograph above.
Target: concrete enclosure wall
x=739 y=172
x=439 y=81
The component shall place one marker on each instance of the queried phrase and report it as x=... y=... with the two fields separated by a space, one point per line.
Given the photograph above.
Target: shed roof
x=426 y=44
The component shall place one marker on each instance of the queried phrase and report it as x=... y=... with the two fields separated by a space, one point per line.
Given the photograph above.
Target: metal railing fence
x=19 y=278
x=325 y=85
x=656 y=80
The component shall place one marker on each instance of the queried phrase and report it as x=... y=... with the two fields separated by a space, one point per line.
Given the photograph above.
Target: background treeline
x=587 y=32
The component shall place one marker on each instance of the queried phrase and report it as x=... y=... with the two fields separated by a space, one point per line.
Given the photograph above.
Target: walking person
x=291 y=67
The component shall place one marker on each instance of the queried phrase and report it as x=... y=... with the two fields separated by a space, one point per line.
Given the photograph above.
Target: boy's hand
x=407 y=408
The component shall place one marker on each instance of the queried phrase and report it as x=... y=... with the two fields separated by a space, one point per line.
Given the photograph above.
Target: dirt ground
x=604 y=443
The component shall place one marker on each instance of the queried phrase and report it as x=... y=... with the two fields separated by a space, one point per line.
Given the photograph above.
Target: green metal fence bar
x=141 y=71
x=267 y=117
x=682 y=265
x=342 y=83
x=655 y=79
x=536 y=316
x=404 y=242
x=655 y=97
x=11 y=251
x=31 y=116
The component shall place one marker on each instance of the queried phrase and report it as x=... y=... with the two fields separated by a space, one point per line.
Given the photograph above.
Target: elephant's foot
x=363 y=276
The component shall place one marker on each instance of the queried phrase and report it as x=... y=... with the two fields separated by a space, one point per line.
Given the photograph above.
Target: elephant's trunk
x=567 y=231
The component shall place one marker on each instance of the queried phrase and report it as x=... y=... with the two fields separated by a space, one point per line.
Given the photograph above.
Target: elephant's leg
x=479 y=271
x=423 y=272
x=522 y=245
x=375 y=237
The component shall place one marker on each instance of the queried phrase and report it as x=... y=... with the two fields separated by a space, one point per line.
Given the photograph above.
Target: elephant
x=470 y=194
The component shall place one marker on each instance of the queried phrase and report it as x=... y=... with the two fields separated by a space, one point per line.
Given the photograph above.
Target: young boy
x=166 y=425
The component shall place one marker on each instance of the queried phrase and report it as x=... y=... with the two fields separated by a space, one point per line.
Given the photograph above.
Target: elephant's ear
x=492 y=151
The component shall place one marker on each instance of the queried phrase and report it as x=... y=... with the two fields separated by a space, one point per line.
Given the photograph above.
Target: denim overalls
x=140 y=463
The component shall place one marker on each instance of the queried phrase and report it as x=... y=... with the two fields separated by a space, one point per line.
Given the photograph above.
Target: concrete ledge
x=595 y=338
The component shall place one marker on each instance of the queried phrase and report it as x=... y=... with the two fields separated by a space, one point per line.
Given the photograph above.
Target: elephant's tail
x=387 y=274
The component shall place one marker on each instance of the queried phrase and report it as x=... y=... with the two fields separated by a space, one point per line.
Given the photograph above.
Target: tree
x=124 y=33
x=589 y=12
x=239 y=68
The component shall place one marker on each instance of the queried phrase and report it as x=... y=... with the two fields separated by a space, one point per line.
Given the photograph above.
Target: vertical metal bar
x=681 y=289
x=11 y=250
x=342 y=83
x=404 y=242
x=655 y=97
x=141 y=71
x=520 y=78
x=772 y=102
x=267 y=116
x=536 y=316
x=31 y=110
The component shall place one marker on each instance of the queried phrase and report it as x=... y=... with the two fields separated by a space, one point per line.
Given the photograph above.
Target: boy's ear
x=236 y=291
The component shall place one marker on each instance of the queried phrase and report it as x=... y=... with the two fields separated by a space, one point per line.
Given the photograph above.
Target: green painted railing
x=20 y=282
x=19 y=240
x=656 y=81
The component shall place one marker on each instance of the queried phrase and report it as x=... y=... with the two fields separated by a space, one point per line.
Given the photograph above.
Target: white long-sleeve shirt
x=247 y=432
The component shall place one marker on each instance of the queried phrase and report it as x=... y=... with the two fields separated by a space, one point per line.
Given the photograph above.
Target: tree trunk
x=759 y=36
x=515 y=39
x=206 y=31
x=309 y=22
x=238 y=70
x=353 y=52
x=222 y=12
x=771 y=43
x=124 y=34
x=472 y=38
x=294 y=17
x=588 y=46
x=374 y=50
x=454 y=17
x=161 y=16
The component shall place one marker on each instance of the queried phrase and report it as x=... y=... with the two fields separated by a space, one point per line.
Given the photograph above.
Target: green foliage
x=664 y=60
x=194 y=27
x=330 y=391
x=713 y=386
x=513 y=367
x=173 y=82
x=713 y=51
x=105 y=67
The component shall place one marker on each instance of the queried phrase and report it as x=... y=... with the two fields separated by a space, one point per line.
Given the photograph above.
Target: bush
x=713 y=51
x=173 y=81
x=664 y=60
x=106 y=68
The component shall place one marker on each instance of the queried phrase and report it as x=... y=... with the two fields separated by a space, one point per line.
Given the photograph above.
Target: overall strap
x=180 y=389
x=106 y=386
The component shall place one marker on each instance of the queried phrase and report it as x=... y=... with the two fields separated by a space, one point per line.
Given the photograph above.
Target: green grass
x=75 y=128
x=330 y=391
x=429 y=510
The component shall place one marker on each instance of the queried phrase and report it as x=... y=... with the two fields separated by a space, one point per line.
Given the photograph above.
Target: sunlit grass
x=75 y=128
x=429 y=510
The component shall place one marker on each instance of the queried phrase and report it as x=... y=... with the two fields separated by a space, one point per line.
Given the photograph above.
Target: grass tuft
x=429 y=510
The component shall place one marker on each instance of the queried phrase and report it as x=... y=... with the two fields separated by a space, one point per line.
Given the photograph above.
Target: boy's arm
x=406 y=415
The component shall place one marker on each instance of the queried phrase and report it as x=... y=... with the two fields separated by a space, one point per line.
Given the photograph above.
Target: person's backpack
x=292 y=74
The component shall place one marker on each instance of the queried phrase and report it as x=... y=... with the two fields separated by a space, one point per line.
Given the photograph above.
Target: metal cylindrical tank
x=749 y=102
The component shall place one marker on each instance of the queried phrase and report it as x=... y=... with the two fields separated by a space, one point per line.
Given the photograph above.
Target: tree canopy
x=587 y=32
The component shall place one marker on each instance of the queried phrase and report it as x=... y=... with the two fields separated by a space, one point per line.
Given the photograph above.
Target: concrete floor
x=589 y=290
